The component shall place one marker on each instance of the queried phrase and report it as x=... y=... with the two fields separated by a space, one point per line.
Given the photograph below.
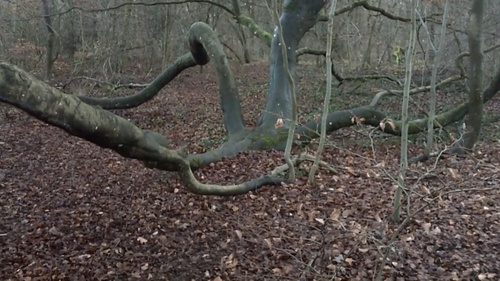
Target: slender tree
x=433 y=95
x=403 y=162
x=49 y=58
x=326 y=102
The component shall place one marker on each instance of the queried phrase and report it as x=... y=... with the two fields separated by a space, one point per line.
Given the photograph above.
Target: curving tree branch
x=203 y=38
x=204 y=44
x=182 y=63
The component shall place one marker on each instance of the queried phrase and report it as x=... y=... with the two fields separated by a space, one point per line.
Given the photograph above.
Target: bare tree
x=326 y=102
x=404 y=113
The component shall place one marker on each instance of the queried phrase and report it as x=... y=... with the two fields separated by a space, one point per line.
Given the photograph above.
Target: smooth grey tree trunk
x=475 y=37
x=297 y=18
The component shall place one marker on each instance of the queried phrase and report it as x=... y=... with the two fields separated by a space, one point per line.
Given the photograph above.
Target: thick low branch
x=369 y=115
x=106 y=129
x=182 y=63
x=196 y=187
x=69 y=113
x=204 y=44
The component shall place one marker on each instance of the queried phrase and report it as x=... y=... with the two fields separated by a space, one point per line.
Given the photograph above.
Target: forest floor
x=70 y=210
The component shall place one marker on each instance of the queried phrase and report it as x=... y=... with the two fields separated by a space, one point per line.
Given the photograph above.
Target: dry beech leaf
x=217 y=278
x=335 y=214
x=349 y=261
x=299 y=210
x=454 y=173
x=231 y=262
x=441 y=202
x=436 y=231
x=322 y=221
x=142 y=240
x=351 y=171
x=239 y=234
x=427 y=227
x=276 y=270
x=454 y=276
x=424 y=189
x=350 y=160
x=269 y=243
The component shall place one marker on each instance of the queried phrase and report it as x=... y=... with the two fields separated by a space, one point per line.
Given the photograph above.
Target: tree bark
x=50 y=39
x=297 y=18
x=241 y=36
x=475 y=37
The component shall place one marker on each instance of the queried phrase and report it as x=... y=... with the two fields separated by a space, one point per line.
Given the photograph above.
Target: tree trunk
x=241 y=35
x=326 y=103
x=297 y=18
x=475 y=37
x=50 y=40
x=403 y=162
x=436 y=57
